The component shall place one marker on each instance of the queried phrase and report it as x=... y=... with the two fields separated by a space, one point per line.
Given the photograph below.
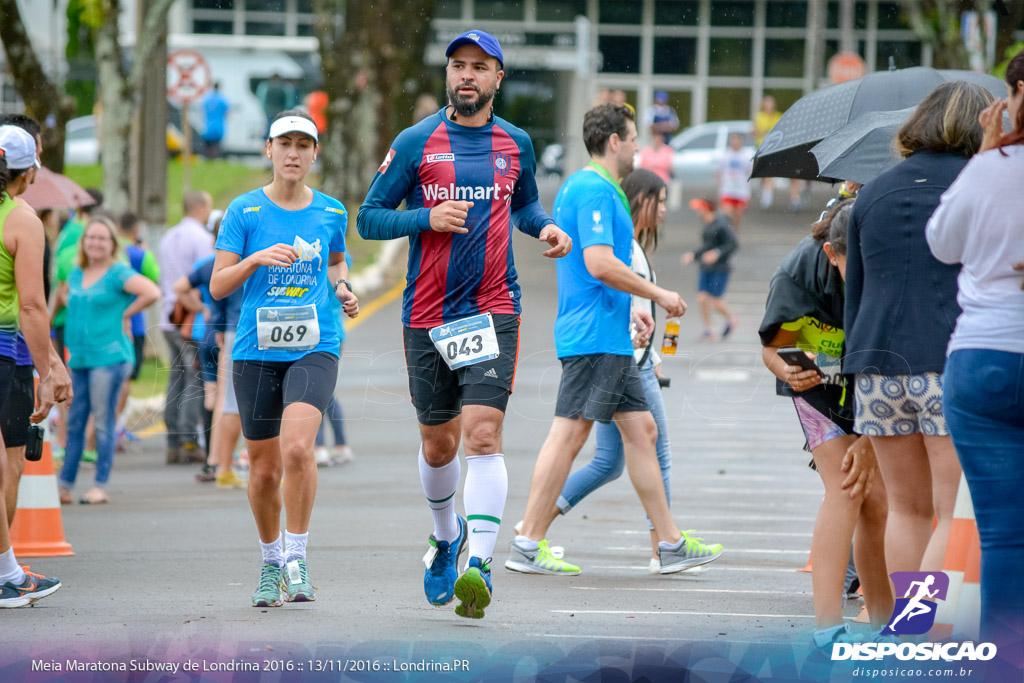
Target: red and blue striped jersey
x=454 y=275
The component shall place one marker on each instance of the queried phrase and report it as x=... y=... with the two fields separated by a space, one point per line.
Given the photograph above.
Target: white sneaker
x=343 y=455
x=323 y=457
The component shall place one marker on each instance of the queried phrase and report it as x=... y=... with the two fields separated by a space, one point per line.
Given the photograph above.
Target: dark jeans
x=184 y=391
x=984 y=406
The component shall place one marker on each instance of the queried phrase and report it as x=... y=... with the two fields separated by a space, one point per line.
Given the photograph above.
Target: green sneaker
x=473 y=589
x=269 y=592
x=690 y=552
x=539 y=561
x=295 y=582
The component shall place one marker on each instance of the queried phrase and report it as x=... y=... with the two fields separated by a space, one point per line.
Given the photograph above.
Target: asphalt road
x=167 y=569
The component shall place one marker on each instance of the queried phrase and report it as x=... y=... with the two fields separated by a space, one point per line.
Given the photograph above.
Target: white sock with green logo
x=484 y=498
x=439 y=486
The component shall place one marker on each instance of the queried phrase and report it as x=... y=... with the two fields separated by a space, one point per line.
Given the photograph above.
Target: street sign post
x=190 y=78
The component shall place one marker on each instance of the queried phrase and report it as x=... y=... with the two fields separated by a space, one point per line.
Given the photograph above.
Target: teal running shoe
x=295 y=581
x=442 y=562
x=473 y=589
x=269 y=592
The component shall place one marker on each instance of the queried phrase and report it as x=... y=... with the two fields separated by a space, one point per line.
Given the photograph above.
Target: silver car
x=698 y=151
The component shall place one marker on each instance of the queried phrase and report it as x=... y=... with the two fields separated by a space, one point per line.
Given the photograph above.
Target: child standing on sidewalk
x=719 y=243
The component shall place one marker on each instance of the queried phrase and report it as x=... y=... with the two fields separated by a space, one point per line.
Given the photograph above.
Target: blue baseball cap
x=660 y=96
x=485 y=41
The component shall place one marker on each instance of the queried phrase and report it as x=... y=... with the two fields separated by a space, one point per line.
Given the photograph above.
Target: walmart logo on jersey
x=433 y=192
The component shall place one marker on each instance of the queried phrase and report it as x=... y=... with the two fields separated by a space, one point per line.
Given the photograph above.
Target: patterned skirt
x=900 y=404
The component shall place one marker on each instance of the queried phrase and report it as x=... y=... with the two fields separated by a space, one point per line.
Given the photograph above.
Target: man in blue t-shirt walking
x=215 y=109
x=600 y=380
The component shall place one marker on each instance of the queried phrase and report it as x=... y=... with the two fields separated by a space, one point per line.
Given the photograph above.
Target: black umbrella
x=786 y=149
x=863 y=148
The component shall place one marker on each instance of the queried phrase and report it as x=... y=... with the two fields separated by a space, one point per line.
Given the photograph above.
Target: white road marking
x=681 y=614
x=690 y=590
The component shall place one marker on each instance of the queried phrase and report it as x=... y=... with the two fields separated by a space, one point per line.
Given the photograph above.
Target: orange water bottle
x=671 y=339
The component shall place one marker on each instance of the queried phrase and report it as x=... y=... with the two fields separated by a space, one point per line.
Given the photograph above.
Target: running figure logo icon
x=914 y=613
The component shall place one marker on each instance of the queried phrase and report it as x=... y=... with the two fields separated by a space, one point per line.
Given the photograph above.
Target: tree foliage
x=371 y=56
x=43 y=100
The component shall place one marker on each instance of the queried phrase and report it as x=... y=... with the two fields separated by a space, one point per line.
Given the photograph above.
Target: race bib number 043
x=287 y=328
x=467 y=341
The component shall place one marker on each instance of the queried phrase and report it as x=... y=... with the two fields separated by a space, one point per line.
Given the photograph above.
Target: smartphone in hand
x=795 y=356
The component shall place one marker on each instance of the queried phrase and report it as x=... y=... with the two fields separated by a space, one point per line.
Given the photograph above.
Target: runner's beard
x=464 y=106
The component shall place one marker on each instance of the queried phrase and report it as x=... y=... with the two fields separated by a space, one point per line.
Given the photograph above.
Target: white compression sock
x=439 y=486
x=484 y=498
x=10 y=571
x=295 y=545
x=272 y=552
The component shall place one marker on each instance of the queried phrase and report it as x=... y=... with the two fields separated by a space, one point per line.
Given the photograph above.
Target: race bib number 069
x=467 y=341
x=287 y=328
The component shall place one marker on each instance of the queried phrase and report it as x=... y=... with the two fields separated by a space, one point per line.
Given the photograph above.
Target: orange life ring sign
x=190 y=76
x=845 y=66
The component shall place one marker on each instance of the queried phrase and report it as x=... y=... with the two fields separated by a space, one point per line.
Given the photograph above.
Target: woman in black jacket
x=900 y=311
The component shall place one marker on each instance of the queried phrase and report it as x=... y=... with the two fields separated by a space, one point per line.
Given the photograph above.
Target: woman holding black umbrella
x=900 y=311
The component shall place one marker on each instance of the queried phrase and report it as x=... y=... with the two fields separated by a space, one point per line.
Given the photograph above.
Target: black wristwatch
x=343 y=281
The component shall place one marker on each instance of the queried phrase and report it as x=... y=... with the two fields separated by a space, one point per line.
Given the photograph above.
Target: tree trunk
x=120 y=95
x=369 y=55
x=117 y=103
x=42 y=98
x=937 y=23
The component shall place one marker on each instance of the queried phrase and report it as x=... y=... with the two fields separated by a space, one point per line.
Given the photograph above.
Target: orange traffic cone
x=960 y=612
x=38 y=530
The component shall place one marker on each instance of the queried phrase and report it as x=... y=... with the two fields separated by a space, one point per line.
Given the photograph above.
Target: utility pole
x=149 y=135
x=847 y=43
x=814 y=54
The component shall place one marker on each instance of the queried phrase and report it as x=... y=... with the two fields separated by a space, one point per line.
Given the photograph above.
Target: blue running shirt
x=592 y=317
x=253 y=223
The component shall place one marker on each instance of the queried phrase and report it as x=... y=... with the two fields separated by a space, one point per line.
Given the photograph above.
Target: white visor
x=293 y=124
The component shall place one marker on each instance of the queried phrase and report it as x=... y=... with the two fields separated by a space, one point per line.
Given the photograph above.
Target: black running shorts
x=595 y=387
x=21 y=401
x=438 y=392
x=265 y=388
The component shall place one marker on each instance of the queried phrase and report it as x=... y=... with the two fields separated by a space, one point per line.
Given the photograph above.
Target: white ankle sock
x=526 y=543
x=484 y=498
x=10 y=570
x=439 y=486
x=295 y=545
x=272 y=552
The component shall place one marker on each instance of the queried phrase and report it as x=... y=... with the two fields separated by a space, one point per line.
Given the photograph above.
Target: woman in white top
x=979 y=224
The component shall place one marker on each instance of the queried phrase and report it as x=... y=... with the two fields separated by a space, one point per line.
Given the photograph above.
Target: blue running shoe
x=442 y=562
x=473 y=589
